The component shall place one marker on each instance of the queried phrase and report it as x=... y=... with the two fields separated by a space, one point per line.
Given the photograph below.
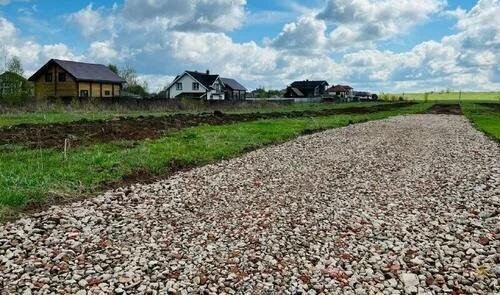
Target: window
x=107 y=93
x=178 y=86
x=48 y=77
x=84 y=93
x=196 y=86
x=62 y=77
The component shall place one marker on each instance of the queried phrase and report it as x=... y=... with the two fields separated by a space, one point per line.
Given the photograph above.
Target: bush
x=15 y=100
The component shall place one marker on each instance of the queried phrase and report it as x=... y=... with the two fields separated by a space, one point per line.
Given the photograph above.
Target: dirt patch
x=82 y=133
x=445 y=109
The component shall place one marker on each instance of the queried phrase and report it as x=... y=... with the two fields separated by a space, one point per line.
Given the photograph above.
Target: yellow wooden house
x=65 y=79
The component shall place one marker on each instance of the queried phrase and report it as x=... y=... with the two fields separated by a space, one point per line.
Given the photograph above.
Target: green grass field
x=61 y=116
x=455 y=96
x=40 y=176
x=485 y=117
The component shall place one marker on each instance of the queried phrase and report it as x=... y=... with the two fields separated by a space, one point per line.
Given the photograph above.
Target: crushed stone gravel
x=406 y=205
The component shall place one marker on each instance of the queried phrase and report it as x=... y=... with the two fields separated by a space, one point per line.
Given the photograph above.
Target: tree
x=113 y=68
x=15 y=66
x=129 y=74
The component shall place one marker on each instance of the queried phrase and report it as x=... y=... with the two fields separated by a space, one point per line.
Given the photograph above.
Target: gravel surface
x=399 y=206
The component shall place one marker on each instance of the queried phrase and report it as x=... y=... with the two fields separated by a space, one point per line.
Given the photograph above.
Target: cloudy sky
x=376 y=45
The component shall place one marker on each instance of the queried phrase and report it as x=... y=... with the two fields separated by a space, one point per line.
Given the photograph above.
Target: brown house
x=342 y=91
x=64 y=79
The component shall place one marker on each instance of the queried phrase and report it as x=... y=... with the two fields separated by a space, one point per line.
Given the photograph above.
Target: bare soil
x=446 y=109
x=84 y=132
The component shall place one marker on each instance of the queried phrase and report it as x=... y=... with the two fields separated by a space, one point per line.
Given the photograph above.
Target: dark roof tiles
x=83 y=71
x=233 y=84
x=308 y=84
x=206 y=80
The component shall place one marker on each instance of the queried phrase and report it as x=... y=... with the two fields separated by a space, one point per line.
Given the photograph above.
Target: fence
x=286 y=99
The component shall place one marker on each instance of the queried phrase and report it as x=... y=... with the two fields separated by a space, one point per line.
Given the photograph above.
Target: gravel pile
x=400 y=206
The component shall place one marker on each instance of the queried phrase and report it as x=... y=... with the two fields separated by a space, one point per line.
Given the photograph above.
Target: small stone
x=82 y=283
x=410 y=280
x=393 y=283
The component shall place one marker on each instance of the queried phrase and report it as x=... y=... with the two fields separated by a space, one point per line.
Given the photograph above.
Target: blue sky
x=378 y=45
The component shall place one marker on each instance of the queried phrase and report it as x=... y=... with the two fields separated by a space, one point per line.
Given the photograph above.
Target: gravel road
x=404 y=205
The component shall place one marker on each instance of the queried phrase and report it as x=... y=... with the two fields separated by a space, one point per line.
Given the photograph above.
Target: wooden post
x=66 y=147
x=101 y=89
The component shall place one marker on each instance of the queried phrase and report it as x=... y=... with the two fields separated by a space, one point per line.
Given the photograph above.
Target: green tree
x=113 y=68
x=15 y=66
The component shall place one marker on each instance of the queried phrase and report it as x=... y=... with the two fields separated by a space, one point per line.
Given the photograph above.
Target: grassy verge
x=485 y=117
x=455 y=96
x=40 y=176
x=11 y=119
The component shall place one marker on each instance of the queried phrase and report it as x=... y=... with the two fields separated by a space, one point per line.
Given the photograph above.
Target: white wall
x=213 y=94
x=187 y=86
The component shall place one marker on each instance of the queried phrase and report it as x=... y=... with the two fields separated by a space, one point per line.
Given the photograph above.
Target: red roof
x=340 y=88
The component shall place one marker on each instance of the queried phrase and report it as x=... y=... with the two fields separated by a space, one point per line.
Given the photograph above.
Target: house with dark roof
x=233 y=89
x=306 y=89
x=341 y=91
x=207 y=86
x=65 y=79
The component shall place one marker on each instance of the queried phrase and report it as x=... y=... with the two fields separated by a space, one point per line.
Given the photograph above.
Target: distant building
x=12 y=84
x=306 y=89
x=341 y=91
x=207 y=86
x=233 y=90
x=362 y=95
x=64 y=79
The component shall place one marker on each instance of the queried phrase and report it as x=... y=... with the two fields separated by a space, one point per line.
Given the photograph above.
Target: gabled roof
x=233 y=84
x=206 y=80
x=340 y=88
x=308 y=84
x=297 y=91
x=82 y=71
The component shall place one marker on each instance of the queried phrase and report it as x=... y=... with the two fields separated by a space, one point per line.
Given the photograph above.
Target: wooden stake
x=66 y=147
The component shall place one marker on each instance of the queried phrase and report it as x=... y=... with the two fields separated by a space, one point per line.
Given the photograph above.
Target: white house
x=195 y=84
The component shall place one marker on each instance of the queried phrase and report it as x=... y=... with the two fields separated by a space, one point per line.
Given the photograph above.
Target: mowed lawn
x=69 y=115
x=41 y=176
x=454 y=96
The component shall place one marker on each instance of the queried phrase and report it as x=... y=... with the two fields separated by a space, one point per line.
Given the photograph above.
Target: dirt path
x=408 y=204
x=89 y=132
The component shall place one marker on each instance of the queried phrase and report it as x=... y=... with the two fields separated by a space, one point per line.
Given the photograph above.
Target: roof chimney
x=208 y=72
